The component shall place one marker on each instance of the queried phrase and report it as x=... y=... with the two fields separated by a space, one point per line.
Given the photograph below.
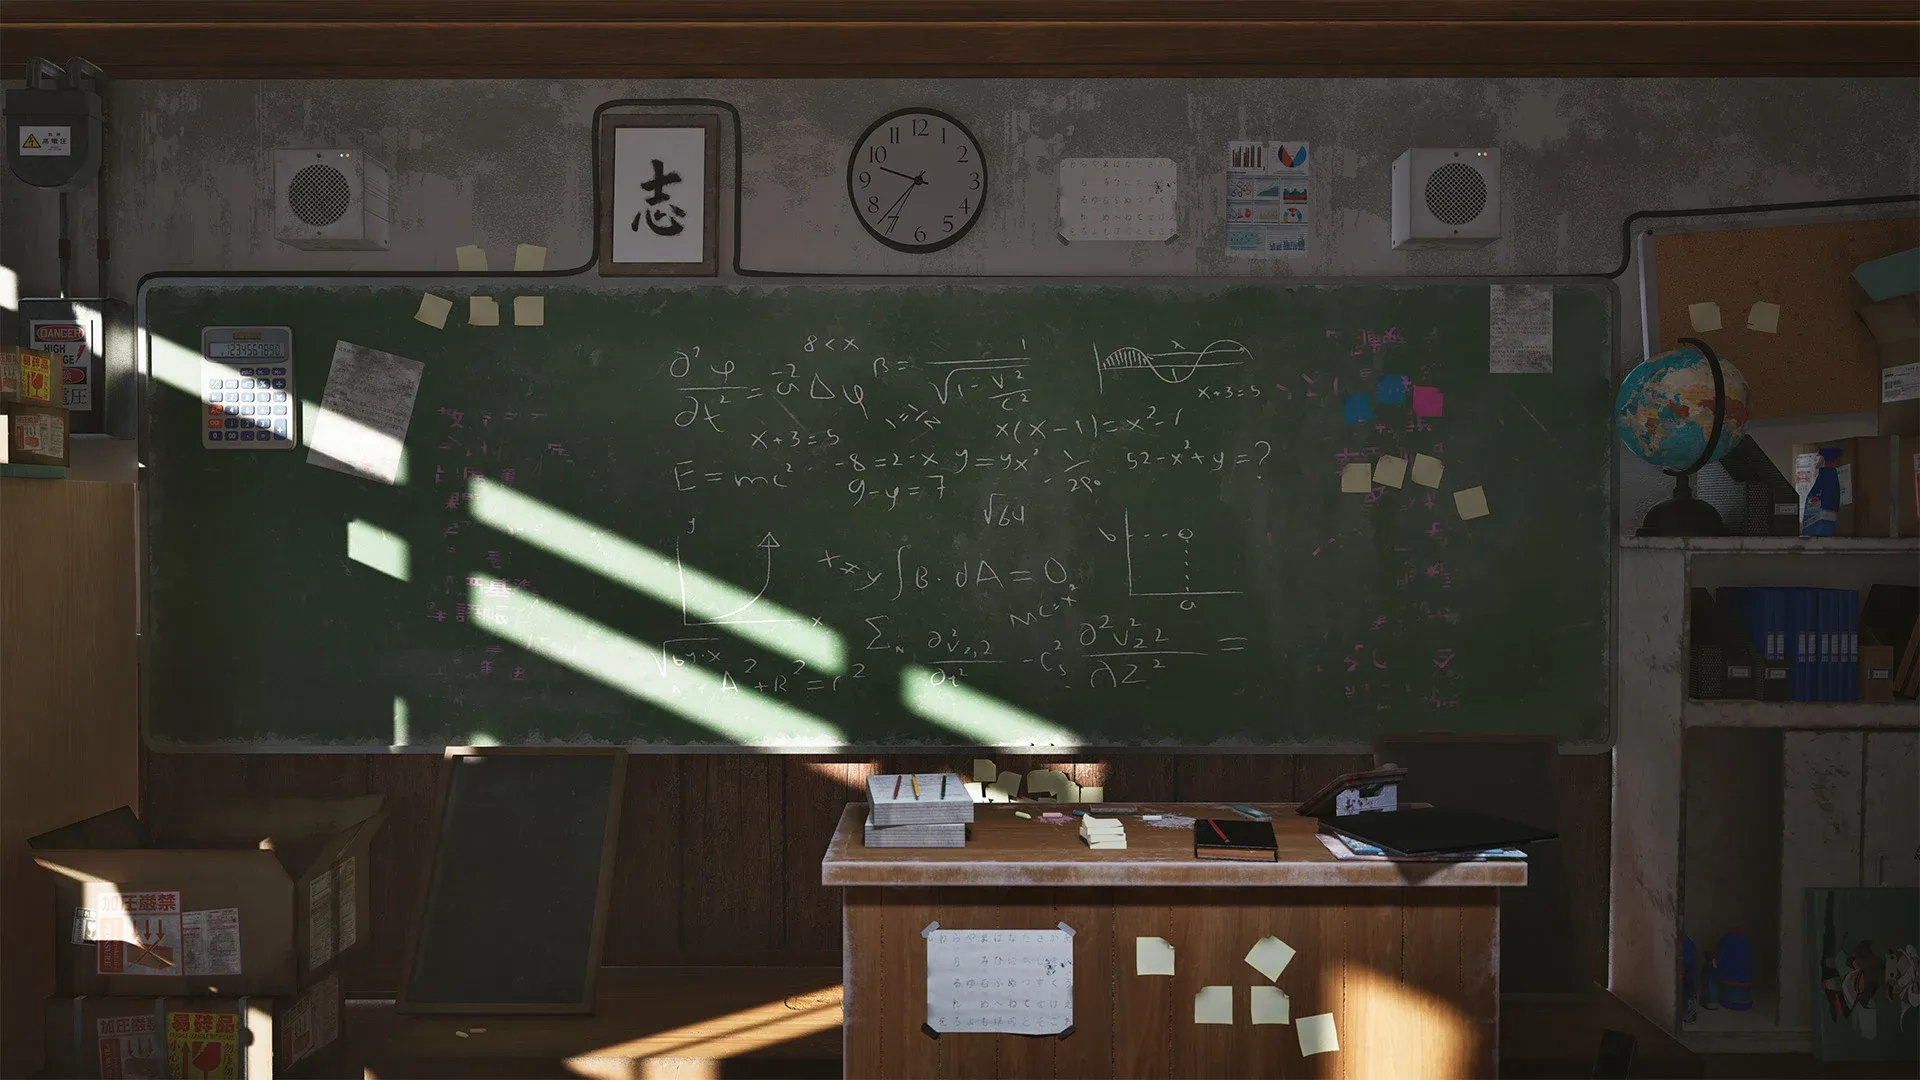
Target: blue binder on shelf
x=1852 y=692
x=1829 y=645
x=1823 y=621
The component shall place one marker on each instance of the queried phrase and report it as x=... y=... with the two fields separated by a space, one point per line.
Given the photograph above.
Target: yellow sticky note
x=1269 y=1004
x=471 y=257
x=1426 y=471
x=1765 y=317
x=433 y=310
x=1704 y=317
x=984 y=771
x=1213 y=1005
x=529 y=311
x=529 y=257
x=977 y=792
x=483 y=311
x=1152 y=956
x=1317 y=1035
x=1356 y=479
x=1007 y=784
x=1472 y=503
x=1270 y=956
x=1390 y=472
x=1093 y=793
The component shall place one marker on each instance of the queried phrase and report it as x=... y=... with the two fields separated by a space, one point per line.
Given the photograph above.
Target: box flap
x=117 y=828
x=249 y=821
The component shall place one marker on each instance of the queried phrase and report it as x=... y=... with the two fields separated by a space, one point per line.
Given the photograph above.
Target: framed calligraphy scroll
x=659 y=195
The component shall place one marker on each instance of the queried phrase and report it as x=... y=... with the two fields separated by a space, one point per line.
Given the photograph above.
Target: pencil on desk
x=896 y=786
x=915 y=780
x=943 y=785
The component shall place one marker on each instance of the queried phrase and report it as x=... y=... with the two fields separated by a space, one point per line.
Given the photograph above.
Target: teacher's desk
x=1405 y=955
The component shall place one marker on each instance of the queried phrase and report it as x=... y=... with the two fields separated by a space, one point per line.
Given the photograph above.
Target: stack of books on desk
x=925 y=810
x=1103 y=834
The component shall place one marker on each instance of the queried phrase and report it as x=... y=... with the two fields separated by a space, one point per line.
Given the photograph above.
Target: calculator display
x=246 y=350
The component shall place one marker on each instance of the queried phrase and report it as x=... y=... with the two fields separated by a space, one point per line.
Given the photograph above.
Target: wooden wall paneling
x=644 y=923
x=1233 y=777
x=1311 y=772
x=888 y=1041
x=405 y=784
x=1102 y=965
x=1140 y=778
x=1374 y=1013
x=1584 y=801
x=1206 y=952
x=732 y=808
x=317 y=776
x=1146 y=1007
x=177 y=783
x=1440 y=928
x=818 y=789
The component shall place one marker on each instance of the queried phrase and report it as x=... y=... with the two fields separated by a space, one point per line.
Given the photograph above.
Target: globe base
x=1683 y=515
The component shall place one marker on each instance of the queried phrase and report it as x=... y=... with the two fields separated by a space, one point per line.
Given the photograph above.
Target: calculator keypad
x=247 y=406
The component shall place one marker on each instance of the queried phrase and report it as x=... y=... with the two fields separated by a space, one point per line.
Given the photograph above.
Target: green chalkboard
x=892 y=515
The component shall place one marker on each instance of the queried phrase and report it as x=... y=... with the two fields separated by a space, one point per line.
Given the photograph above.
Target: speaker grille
x=319 y=195
x=1456 y=194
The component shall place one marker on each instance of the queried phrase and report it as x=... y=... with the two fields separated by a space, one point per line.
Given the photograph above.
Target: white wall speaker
x=1446 y=198
x=330 y=199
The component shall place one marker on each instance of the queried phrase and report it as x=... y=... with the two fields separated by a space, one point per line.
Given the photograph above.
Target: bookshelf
x=1775 y=545
x=1803 y=715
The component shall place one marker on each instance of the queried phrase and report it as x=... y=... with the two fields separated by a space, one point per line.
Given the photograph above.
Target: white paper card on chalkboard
x=1520 y=329
x=364 y=412
x=1018 y=982
x=659 y=194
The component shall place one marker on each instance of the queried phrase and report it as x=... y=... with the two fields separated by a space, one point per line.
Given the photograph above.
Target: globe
x=1664 y=410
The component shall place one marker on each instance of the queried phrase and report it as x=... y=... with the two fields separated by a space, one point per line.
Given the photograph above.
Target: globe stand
x=1683 y=514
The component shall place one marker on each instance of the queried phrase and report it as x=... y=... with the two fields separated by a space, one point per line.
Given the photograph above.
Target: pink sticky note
x=1427 y=400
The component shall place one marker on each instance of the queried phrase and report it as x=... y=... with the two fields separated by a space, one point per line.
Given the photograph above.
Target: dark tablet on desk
x=1435 y=831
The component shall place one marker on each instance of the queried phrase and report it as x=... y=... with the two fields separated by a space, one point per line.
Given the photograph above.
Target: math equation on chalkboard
x=1017 y=982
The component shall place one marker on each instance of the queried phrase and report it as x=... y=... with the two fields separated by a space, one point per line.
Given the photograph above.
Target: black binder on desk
x=1435 y=831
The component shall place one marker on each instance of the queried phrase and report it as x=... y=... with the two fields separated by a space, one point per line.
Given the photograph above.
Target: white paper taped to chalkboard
x=1017 y=982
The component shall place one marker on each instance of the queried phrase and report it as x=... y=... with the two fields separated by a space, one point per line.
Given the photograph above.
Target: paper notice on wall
x=1267 y=199
x=130 y=1048
x=312 y=1023
x=1900 y=383
x=364 y=412
x=86 y=928
x=320 y=920
x=211 y=941
x=204 y=1045
x=344 y=874
x=1013 y=981
x=137 y=933
x=1118 y=198
x=1520 y=329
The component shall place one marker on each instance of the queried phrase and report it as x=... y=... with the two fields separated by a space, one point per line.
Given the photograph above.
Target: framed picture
x=659 y=195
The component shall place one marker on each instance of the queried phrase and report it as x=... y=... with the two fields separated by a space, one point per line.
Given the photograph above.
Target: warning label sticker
x=70 y=342
x=138 y=933
x=46 y=142
x=129 y=1048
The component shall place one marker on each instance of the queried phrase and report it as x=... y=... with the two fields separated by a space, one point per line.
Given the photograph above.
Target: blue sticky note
x=1392 y=389
x=1356 y=409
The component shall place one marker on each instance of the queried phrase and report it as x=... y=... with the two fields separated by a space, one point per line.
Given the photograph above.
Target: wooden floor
x=719 y=859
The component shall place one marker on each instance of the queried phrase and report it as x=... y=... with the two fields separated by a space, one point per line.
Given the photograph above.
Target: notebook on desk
x=1434 y=831
x=1222 y=838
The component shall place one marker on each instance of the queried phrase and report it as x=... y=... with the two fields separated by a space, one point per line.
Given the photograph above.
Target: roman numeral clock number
x=917 y=180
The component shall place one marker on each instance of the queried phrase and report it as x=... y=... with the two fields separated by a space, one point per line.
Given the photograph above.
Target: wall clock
x=917 y=180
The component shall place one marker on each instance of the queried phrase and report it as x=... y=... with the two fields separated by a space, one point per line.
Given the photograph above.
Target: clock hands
x=920 y=179
x=892 y=213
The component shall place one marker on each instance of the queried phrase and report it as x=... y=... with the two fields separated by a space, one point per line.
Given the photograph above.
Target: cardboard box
x=259 y=896
x=28 y=376
x=123 y=1038
x=1895 y=326
x=33 y=435
x=1884 y=502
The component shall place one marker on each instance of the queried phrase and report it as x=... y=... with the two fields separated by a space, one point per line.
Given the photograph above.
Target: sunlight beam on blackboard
x=984 y=719
x=703 y=600
x=374 y=546
x=645 y=671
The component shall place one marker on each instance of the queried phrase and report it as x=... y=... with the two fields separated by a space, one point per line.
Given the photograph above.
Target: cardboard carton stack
x=33 y=421
x=211 y=950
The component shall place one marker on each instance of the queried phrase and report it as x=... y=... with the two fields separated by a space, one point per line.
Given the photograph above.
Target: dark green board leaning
x=892 y=516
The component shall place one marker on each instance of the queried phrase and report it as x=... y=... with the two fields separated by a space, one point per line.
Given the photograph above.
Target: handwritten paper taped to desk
x=364 y=412
x=1426 y=471
x=1317 y=1035
x=1152 y=956
x=1390 y=472
x=1520 y=329
x=472 y=257
x=1268 y=1004
x=1213 y=1005
x=529 y=257
x=1356 y=479
x=1270 y=956
x=1765 y=317
x=1015 y=981
x=1704 y=317
x=433 y=310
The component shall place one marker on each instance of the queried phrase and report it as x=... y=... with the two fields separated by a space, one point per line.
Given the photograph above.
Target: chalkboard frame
x=603 y=890
x=584 y=282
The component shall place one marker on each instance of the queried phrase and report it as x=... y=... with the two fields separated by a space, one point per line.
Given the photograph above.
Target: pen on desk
x=896 y=786
x=943 y=785
x=1216 y=829
x=915 y=780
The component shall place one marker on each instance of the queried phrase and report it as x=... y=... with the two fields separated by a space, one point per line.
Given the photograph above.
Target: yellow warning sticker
x=31 y=144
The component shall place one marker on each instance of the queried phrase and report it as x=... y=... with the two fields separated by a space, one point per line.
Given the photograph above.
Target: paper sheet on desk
x=1014 y=981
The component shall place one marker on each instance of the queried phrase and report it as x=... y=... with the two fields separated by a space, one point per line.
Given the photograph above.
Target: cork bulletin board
x=1820 y=362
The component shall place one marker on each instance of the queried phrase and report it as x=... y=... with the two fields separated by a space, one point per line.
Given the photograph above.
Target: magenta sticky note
x=1427 y=400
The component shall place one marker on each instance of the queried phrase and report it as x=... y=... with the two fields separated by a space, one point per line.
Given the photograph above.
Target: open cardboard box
x=257 y=896
x=1895 y=326
x=180 y=1037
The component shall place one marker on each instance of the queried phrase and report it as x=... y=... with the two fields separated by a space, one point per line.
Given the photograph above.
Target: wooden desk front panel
x=1410 y=975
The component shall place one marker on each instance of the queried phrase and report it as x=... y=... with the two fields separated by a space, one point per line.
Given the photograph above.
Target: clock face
x=917 y=180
